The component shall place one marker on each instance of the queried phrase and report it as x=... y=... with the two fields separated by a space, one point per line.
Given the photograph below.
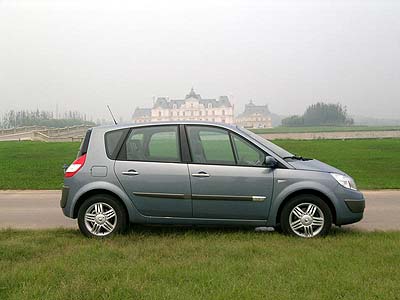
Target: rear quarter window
x=85 y=143
x=113 y=141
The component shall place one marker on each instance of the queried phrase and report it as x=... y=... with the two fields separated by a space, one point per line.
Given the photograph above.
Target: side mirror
x=270 y=162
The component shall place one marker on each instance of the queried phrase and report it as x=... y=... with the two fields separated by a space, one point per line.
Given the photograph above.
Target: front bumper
x=355 y=205
x=349 y=206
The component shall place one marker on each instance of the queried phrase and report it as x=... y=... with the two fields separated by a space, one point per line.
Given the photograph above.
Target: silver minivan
x=202 y=173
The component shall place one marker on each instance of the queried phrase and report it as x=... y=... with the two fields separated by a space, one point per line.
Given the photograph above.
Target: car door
x=150 y=170
x=227 y=175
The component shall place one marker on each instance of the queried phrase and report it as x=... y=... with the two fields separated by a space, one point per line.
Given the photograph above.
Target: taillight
x=75 y=166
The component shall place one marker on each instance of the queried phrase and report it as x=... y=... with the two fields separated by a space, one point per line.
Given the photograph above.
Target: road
x=40 y=209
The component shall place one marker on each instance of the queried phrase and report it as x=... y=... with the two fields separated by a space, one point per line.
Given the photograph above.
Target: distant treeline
x=321 y=114
x=20 y=118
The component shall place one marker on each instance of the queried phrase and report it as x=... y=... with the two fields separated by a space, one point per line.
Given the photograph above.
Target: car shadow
x=193 y=229
x=160 y=230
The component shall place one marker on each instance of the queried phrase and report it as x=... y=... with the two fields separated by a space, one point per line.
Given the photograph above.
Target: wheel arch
x=314 y=192
x=99 y=191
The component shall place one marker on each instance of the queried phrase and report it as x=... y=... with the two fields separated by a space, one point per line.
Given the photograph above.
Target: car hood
x=314 y=165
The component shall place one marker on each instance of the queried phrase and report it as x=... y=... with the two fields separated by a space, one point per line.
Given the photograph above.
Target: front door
x=227 y=176
x=150 y=170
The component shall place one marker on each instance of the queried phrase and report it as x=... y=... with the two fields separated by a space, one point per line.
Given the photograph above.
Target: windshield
x=271 y=146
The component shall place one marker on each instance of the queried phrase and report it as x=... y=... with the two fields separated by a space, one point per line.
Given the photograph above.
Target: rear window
x=113 y=141
x=85 y=143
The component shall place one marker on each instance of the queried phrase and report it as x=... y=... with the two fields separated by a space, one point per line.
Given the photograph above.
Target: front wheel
x=306 y=216
x=101 y=216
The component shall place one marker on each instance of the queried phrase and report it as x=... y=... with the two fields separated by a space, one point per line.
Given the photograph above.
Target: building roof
x=252 y=109
x=192 y=94
x=163 y=102
x=141 y=112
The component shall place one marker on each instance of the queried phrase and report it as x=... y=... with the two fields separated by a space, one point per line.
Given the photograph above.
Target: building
x=192 y=107
x=255 y=116
x=142 y=115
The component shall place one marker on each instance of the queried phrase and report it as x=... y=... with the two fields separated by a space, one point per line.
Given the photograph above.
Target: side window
x=134 y=145
x=164 y=145
x=248 y=155
x=155 y=143
x=210 y=145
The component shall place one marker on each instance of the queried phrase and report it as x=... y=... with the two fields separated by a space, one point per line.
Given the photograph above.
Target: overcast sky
x=288 y=54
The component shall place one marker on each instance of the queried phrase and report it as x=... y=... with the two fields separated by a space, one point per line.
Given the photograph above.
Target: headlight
x=345 y=181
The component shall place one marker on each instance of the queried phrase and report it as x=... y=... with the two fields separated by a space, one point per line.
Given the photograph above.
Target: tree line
x=12 y=119
x=321 y=114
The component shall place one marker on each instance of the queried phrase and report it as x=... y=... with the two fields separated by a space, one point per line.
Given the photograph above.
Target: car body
x=202 y=173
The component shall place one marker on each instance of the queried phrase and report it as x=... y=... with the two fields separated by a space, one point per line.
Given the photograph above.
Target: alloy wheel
x=100 y=219
x=306 y=220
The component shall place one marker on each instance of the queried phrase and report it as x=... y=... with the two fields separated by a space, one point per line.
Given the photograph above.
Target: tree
x=13 y=119
x=293 y=121
x=325 y=114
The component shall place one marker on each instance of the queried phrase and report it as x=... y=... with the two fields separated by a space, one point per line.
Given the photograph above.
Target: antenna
x=112 y=116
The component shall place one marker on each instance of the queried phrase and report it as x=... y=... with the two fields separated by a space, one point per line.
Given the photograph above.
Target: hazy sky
x=288 y=54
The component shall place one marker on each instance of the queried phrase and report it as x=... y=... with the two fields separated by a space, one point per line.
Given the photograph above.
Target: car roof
x=129 y=125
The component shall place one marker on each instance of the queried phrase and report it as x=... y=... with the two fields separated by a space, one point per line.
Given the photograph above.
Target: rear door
x=227 y=176
x=150 y=168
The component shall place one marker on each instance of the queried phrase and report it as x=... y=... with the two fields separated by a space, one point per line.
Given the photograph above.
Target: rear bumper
x=64 y=196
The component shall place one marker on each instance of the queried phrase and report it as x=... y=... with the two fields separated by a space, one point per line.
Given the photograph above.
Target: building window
x=223 y=112
x=174 y=106
x=200 y=113
x=159 y=113
x=209 y=105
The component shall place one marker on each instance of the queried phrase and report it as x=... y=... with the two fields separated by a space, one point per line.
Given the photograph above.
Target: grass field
x=281 y=129
x=374 y=163
x=182 y=263
x=34 y=165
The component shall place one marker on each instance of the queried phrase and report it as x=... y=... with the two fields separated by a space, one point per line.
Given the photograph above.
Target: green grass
x=182 y=263
x=34 y=165
x=282 y=129
x=374 y=163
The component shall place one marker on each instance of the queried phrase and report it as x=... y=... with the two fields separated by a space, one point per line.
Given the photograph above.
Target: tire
x=102 y=216
x=278 y=228
x=306 y=216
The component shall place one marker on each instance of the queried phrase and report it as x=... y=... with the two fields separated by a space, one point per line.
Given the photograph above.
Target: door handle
x=130 y=173
x=201 y=174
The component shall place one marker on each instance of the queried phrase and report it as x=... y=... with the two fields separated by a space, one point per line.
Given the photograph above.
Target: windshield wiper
x=297 y=157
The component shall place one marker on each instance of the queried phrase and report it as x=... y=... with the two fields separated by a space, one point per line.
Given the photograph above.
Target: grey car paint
x=103 y=175
x=247 y=191
x=314 y=165
x=156 y=178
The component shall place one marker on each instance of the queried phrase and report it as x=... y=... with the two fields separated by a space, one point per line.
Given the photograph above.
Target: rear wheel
x=306 y=216
x=101 y=216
